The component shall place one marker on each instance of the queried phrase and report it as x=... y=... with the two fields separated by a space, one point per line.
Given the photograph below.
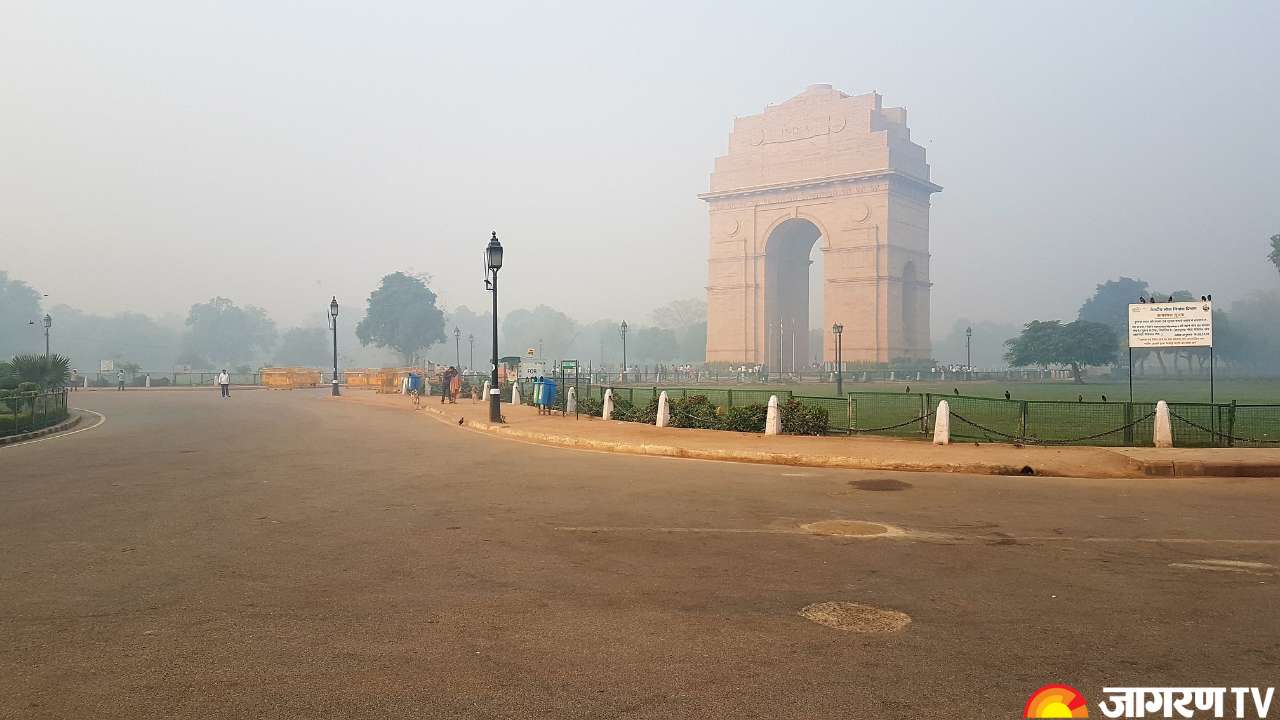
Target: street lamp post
x=333 y=322
x=471 y=338
x=48 y=323
x=457 y=347
x=968 y=353
x=492 y=264
x=623 y=329
x=837 y=329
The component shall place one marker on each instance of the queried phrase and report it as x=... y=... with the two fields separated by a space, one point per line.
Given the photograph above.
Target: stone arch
x=787 y=248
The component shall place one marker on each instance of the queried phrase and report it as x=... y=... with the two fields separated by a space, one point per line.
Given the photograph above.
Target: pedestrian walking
x=446 y=382
x=120 y=380
x=455 y=384
x=224 y=380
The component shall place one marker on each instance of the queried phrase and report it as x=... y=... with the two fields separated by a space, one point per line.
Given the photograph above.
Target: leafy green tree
x=1053 y=343
x=222 y=331
x=19 y=305
x=402 y=315
x=1274 y=255
x=304 y=347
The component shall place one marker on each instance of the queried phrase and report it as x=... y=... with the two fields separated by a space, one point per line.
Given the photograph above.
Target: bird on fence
x=1104 y=398
x=1006 y=394
x=1079 y=398
x=1170 y=298
x=908 y=388
x=955 y=390
x=1203 y=298
x=1142 y=300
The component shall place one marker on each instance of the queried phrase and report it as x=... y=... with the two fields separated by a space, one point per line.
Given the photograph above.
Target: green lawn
x=1254 y=391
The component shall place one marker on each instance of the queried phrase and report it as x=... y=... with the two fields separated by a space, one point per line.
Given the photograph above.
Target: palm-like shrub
x=47 y=372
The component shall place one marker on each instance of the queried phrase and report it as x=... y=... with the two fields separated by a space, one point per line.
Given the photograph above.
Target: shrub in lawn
x=694 y=411
x=28 y=387
x=800 y=419
x=745 y=418
x=590 y=406
x=630 y=413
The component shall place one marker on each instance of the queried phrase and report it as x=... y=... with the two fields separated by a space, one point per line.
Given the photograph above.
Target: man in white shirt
x=224 y=381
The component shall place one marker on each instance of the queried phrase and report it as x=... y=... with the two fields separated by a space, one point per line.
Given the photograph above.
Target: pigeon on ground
x=460 y=420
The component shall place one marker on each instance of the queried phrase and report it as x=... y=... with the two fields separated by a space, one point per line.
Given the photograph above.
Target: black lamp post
x=48 y=323
x=457 y=347
x=492 y=264
x=623 y=329
x=471 y=338
x=968 y=353
x=837 y=329
x=333 y=322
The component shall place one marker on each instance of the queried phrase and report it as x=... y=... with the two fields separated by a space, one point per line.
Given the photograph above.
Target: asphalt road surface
x=289 y=555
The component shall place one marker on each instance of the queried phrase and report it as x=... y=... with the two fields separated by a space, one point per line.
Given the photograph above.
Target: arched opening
x=910 y=301
x=788 y=265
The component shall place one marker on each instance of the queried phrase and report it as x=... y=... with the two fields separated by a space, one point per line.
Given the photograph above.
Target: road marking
x=102 y=420
x=1233 y=566
x=898 y=533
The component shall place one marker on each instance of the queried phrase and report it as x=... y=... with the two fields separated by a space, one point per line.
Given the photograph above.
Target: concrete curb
x=846 y=462
x=60 y=427
x=1128 y=467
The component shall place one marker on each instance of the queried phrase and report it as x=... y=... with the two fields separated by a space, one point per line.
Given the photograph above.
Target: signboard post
x=1161 y=325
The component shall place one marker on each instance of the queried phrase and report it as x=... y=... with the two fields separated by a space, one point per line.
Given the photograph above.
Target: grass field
x=1243 y=391
x=982 y=414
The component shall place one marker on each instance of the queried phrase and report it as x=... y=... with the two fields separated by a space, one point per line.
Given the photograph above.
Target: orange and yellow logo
x=1056 y=701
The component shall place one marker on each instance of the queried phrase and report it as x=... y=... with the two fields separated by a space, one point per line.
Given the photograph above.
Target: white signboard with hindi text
x=1171 y=324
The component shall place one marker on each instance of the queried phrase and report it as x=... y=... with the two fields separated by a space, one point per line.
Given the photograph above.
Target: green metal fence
x=25 y=412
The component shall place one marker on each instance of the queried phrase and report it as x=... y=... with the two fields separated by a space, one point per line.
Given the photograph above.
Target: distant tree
x=402 y=315
x=19 y=305
x=693 y=343
x=1274 y=255
x=524 y=329
x=679 y=314
x=1110 y=302
x=87 y=339
x=1053 y=343
x=223 y=331
x=652 y=344
x=304 y=347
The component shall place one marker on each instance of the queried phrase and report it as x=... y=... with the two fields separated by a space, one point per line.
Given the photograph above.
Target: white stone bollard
x=1164 y=427
x=515 y=393
x=773 y=420
x=571 y=400
x=942 y=424
x=664 y=410
x=608 y=404
x=148 y=381
x=86 y=382
x=485 y=394
x=890 y=376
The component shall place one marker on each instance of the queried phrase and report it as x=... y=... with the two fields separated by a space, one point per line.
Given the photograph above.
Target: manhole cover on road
x=852 y=617
x=846 y=528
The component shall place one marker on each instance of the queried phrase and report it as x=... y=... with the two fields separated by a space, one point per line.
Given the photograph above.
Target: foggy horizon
x=158 y=156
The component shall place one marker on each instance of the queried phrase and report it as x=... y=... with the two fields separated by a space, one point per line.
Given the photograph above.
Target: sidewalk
x=865 y=452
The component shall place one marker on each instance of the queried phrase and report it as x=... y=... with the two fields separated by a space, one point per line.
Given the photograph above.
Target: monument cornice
x=815 y=183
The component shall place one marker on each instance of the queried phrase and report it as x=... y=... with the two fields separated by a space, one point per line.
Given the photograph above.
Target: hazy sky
x=155 y=154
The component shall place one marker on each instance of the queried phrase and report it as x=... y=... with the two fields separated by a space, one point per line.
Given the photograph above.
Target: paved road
x=287 y=555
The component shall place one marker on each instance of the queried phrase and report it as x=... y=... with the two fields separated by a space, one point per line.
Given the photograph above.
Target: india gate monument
x=840 y=171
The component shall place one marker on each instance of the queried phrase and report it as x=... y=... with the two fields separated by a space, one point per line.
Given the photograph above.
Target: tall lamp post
x=48 y=323
x=471 y=338
x=492 y=264
x=837 y=329
x=457 y=347
x=623 y=329
x=333 y=323
x=968 y=353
